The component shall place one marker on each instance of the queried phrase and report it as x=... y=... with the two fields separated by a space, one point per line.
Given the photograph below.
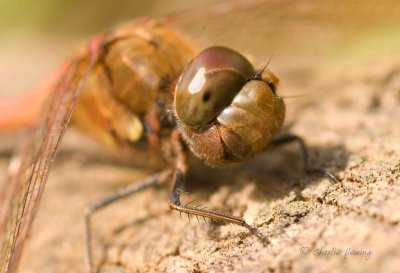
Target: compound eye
x=209 y=83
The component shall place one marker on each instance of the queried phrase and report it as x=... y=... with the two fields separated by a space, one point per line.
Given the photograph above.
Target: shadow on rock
x=275 y=173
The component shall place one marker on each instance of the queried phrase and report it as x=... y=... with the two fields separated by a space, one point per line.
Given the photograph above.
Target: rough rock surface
x=314 y=225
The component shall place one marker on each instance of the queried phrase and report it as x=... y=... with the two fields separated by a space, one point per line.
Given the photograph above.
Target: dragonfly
x=278 y=32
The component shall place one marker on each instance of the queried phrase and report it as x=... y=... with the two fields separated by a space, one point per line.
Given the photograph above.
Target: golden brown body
x=127 y=98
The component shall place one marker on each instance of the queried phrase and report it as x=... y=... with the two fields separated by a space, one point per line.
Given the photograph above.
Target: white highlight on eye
x=198 y=81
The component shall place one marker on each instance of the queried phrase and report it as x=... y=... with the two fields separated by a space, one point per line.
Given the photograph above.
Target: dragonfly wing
x=296 y=33
x=29 y=169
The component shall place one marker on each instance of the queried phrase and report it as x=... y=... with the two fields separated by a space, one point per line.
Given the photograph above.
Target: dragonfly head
x=225 y=111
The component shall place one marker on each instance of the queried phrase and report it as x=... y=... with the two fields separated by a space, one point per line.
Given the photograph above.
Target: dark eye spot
x=206 y=96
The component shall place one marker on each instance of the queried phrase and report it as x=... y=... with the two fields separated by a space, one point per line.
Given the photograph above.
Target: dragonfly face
x=223 y=112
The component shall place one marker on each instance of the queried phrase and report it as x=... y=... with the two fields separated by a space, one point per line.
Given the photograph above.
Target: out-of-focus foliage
x=35 y=36
x=59 y=17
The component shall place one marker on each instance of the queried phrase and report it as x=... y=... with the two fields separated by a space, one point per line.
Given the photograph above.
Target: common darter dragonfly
x=299 y=35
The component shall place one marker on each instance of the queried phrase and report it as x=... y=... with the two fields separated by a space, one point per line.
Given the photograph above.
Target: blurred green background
x=79 y=18
x=36 y=35
x=301 y=35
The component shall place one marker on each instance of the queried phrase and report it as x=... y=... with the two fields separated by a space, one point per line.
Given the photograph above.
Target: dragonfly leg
x=218 y=216
x=289 y=138
x=151 y=181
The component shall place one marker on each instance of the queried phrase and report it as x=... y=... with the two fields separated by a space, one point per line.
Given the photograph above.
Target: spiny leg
x=218 y=216
x=151 y=181
x=289 y=138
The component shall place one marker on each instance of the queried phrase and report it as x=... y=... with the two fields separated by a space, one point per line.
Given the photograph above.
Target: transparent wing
x=30 y=167
x=297 y=32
